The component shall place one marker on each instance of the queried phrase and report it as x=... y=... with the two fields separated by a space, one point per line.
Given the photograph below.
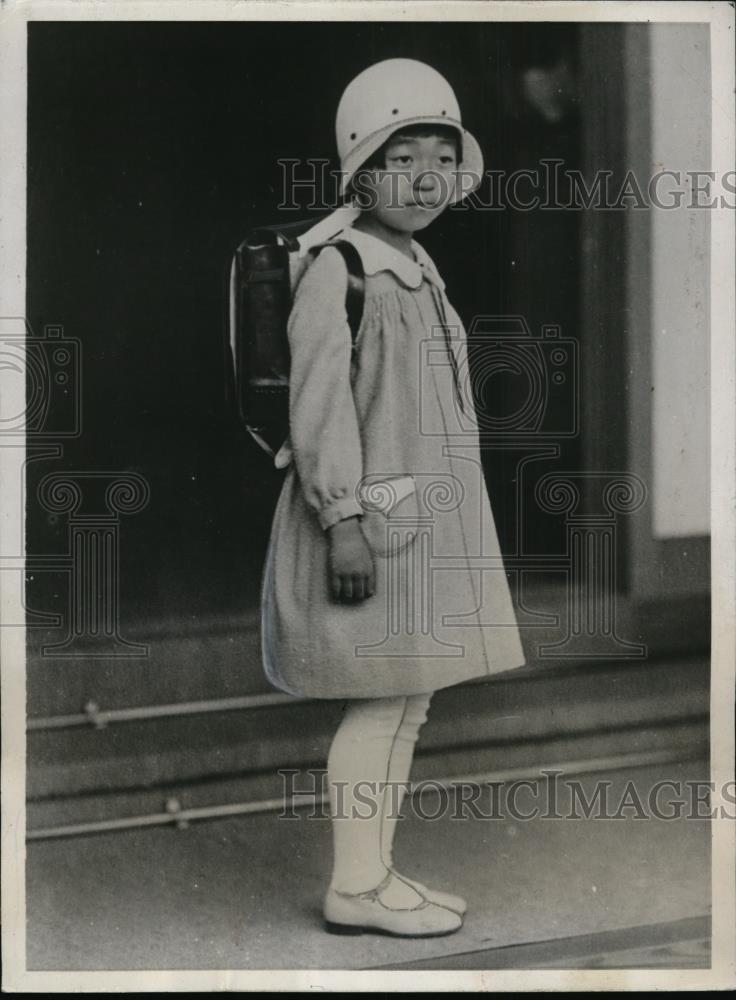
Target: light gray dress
x=385 y=434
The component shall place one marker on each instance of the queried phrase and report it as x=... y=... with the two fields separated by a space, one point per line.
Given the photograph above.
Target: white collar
x=377 y=255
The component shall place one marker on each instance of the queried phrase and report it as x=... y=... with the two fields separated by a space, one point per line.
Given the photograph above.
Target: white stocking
x=402 y=755
x=373 y=745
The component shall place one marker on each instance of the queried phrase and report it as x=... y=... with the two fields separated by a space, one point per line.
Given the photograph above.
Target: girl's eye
x=403 y=159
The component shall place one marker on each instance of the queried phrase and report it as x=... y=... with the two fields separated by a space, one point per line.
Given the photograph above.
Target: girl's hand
x=351 y=571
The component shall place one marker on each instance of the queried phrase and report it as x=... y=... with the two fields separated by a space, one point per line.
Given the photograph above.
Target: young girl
x=383 y=580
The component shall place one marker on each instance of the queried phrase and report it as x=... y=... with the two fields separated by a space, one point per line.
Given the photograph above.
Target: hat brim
x=470 y=170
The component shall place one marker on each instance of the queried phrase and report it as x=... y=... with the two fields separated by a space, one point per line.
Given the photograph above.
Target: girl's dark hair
x=377 y=161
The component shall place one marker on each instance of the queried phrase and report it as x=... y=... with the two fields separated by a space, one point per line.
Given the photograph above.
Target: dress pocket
x=390 y=513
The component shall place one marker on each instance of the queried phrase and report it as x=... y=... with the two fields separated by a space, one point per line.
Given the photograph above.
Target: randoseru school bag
x=265 y=271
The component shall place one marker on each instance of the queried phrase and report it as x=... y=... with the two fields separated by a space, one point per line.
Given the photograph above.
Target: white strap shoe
x=446 y=899
x=380 y=910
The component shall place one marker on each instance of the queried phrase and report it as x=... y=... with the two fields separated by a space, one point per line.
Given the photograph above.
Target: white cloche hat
x=396 y=93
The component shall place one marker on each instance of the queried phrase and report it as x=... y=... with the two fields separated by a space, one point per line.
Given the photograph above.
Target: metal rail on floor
x=93 y=715
x=181 y=818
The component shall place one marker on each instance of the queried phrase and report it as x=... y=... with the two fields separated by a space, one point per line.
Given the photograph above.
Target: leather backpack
x=264 y=273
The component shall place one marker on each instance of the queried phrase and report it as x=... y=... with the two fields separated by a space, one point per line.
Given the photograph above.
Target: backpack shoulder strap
x=356 y=282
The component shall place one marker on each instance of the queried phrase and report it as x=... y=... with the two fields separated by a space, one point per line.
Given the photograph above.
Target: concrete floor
x=245 y=893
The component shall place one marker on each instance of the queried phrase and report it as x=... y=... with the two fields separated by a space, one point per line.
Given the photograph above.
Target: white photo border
x=14 y=18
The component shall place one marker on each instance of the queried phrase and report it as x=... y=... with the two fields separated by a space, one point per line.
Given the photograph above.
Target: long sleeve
x=324 y=430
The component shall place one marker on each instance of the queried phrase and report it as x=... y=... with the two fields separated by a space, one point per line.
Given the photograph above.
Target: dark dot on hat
x=444 y=112
x=353 y=135
x=395 y=111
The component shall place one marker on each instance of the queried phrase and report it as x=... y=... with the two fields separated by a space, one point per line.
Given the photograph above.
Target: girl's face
x=416 y=184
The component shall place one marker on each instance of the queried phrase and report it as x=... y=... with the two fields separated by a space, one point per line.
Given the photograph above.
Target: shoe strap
x=373 y=893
